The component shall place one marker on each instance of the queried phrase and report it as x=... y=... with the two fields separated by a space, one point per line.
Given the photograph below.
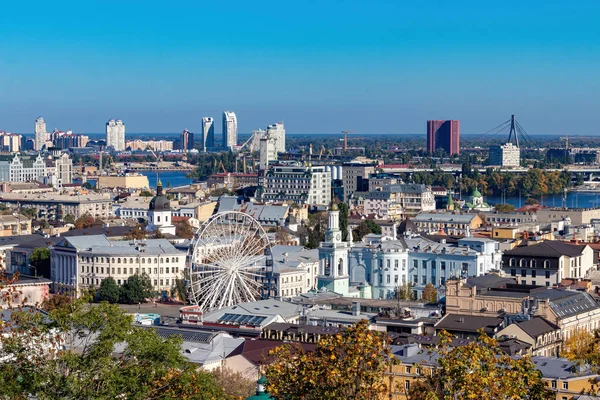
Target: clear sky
x=320 y=66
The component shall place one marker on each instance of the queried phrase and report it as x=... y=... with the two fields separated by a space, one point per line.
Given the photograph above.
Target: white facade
x=295 y=270
x=268 y=152
x=298 y=183
x=41 y=135
x=276 y=132
x=389 y=264
x=64 y=168
x=230 y=129
x=22 y=169
x=507 y=155
x=397 y=201
x=115 y=134
x=78 y=262
x=208 y=133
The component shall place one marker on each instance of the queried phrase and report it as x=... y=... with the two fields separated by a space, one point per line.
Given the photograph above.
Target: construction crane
x=321 y=152
x=346 y=139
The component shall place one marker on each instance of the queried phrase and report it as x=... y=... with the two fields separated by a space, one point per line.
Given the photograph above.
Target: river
x=574 y=200
x=168 y=178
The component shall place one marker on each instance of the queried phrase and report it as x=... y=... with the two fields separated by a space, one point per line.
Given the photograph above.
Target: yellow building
x=123 y=181
x=11 y=225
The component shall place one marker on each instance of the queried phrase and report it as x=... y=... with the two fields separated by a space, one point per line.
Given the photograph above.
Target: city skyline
x=319 y=74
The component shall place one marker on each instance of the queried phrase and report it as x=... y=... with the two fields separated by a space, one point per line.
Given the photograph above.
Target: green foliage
x=480 y=370
x=179 y=290
x=208 y=164
x=504 y=207
x=348 y=365
x=69 y=219
x=108 y=291
x=146 y=193
x=88 y=185
x=40 y=260
x=136 y=290
x=148 y=367
x=531 y=201
x=344 y=211
x=405 y=292
x=30 y=213
x=364 y=228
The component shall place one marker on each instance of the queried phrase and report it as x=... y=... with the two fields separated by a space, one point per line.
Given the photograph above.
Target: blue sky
x=320 y=66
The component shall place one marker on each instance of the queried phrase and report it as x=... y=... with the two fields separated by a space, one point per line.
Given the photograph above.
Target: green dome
x=476 y=193
x=261 y=392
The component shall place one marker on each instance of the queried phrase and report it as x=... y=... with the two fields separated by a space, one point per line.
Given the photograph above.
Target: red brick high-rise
x=443 y=134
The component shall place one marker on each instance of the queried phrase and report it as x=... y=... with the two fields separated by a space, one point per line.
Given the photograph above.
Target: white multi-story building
x=60 y=167
x=276 y=132
x=18 y=168
x=298 y=183
x=230 y=129
x=398 y=201
x=257 y=136
x=115 y=134
x=507 y=155
x=78 y=262
x=295 y=270
x=267 y=153
x=388 y=263
x=208 y=133
x=41 y=136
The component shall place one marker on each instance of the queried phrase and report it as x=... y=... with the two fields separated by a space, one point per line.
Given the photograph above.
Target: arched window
x=523 y=262
x=341 y=267
x=124 y=261
x=532 y=264
x=119 y=260
x=158 y=218
x=512 y=262
x=546 y=263
x=112 y=260
x=155 y=260
x=173 y=259
x=131 y=261
x=143 y=261
x=167 y=259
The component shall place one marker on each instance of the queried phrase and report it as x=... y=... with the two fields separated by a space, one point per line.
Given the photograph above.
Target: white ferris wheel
x=230 y=261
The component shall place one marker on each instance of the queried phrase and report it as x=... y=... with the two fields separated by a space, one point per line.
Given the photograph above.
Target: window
x=143 y=261
x=130 y=271
x=553 y=384
x=533 y=273
x=407 y=384
x=523 y=273
x=119 y=260
x=388 y=279
x=546 y=263
x=513 y=272
x=396 y=264
x=380 y=279
x=167 y=270
x=118 y=270
x=416 y=263
x=532 y=264
x=424 y=264
x=131 y=261
x=408 y=370
x=512 y=262
x=548 y=284
x=112 y=260
x=443 y=265
x=565 y=385
x=387 y=263
x=424 y=279
x=124 y=261
x=167 y=259
x=523 y=282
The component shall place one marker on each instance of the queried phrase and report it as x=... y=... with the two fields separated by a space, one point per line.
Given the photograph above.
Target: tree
x=179 y=290
x=429 y=294
x=158 y=234
x=344 y=211
x=83 y=222
x=480 y=370
x=282 y=237
x=108 y=291
x=88 y=186
x=348 y=365
x=583 y=346
x=364 y=228
x=405 y=292
x=531 y=201
x=184 y=230
x=30 y=213
x=148 y=366
x=40 y=261
x=56 y=301
x=234 y=383
x=504 y=207
x=146 y=193
x=69 y=219
x=138 y=232
x=136 y=289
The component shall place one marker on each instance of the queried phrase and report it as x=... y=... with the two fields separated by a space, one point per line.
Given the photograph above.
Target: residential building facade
x=298 y=183
x=443 y=134
x=506 y=155
x=398 y=201
x=355 y=178
x=230 y=129
x=115 y=134
x=78 y=262
x=41 y=134
x=208 y=133
x=20 y=168
x=186 y=140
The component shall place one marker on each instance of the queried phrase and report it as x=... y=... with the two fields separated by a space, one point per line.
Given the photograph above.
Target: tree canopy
x=40 y=261
x=77 y=359
x=480 y=370
x=109 y=291
x=136 y=289
x=347 y=365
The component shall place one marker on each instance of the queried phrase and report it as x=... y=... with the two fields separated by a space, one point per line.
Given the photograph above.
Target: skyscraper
x=230 y=129
x=40 y=133
x=186 y=140
x=443 y=134
x=277 y=133
x=115 y=134
x=208 y=133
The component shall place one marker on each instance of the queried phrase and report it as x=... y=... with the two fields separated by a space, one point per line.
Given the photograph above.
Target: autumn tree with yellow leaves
x=348 y=365
x=583 y=346
x=480 y=371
